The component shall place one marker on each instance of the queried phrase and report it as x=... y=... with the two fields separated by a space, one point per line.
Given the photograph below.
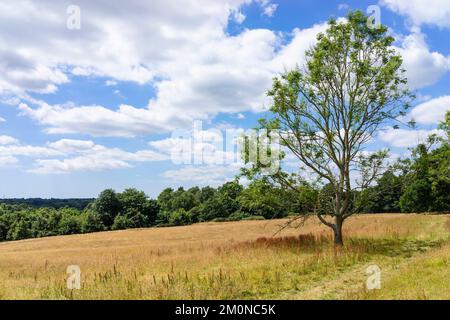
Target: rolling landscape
x=224 y=158
x=237 y=260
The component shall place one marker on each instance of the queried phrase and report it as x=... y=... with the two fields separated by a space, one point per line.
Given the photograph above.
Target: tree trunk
x=338 y=240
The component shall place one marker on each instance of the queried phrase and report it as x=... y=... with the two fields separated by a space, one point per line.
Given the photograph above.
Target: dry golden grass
x=232 y=260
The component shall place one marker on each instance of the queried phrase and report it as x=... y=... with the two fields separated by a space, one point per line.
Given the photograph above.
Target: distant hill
x=49 y=203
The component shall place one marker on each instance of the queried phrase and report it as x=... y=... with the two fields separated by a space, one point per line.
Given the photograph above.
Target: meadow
x=237 y=260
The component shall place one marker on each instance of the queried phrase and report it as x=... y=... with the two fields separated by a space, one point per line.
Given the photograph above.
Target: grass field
x=237 y=260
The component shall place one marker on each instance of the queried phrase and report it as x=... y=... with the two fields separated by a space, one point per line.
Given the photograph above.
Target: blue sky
x=95 y=107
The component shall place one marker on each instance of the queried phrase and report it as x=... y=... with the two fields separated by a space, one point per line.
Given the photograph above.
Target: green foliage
x=262 y=199
x=325 y=113
x=416 y=197
x=108 y=206
x=302 y=200
x=422 y=182
x=223 y=203
x=122 y=222
x=237 y=216
x=79 y=204
x=427 y=181
x=137 y=211
x=179 y=217
x=384 y=197
x=91 y=221
x=70 y=222
x=254 y=218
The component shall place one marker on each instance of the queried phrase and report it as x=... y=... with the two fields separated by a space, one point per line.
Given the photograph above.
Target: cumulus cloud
x=8 y=161
x=132 y=42
x=205 y=147
x=72 y=146
x=423 y=67
x=20 y=73
x=430 y=12
x=85 y=155
x=68 y=155
x=229 y=74
x=212 y=175
x=197 y=69
x=126 y=121
x=404 y=138
x=209 y=73
x=7 y=140
x=85 y=163
x=28 y=151
x=432 y=111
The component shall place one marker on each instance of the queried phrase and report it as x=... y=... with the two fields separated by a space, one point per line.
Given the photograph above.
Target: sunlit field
x=237 y=260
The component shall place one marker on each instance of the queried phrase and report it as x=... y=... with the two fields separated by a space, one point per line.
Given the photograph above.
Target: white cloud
x=28 y=151
x=430 y=12
x=7 y=140
x=197 y=69
x=212 y=175
x=72 y=146
x=2 y=119
x=88 y=156
x=20 y=72
x=207 y=147
x=84 y=163
x=229 y=74
x=238 y=16
x=423 y=67
x=169 y=144
x=431 y=112
x=133 y=42
x=111 y=83
x=7 y=161
x=293 y=53
x=127 y=121
x=67 y=155
x=403 y=138
x=268 y=7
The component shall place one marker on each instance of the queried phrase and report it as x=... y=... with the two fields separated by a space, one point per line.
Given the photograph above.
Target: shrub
x=91 y=221
x=254 y=218
x=121 y=222
x=238 y=215
x=179 y=217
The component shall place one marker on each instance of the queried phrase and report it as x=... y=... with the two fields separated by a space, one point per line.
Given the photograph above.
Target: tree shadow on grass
x=392 y=247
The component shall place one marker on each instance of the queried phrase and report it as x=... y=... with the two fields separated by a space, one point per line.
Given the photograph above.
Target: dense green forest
x=420 y=183
x=80 y=204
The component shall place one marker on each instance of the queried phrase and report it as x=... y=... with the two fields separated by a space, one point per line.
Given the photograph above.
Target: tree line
x=78 y=203
x=418 y=184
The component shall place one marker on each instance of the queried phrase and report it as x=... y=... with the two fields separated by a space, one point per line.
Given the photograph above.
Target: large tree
x=326 y=112
x=427 y=182
x=108 y=206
